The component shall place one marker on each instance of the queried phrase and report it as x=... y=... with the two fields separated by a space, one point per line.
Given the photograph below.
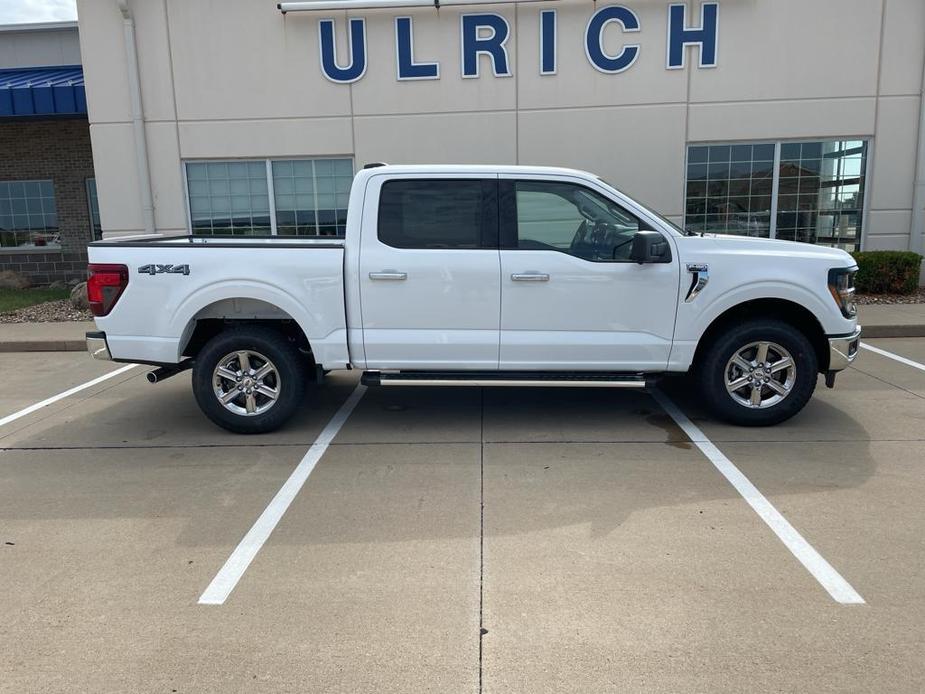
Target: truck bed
x=175 y=281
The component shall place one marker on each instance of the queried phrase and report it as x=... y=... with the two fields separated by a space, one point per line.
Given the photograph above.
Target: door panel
x=587 y=316
x=589 y=308
x=429 y=286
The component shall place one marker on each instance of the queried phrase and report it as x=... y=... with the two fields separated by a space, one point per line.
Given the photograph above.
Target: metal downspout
x=138 y=123
x=917 y=231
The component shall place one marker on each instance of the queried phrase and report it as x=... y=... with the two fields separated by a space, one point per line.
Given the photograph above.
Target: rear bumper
x=843 y=350
x=97 y=346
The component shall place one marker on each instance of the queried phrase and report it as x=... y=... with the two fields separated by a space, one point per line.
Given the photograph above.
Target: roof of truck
x=476 y=168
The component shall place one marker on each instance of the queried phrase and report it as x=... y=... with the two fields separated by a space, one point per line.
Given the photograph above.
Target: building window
x=229 y=197
x=799 y=191
x=93 y=204
x=28 y=214
x=311 y=195
x=301 y=197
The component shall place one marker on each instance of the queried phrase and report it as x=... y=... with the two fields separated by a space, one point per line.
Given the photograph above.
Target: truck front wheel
x=758 y=373
x=249 y=380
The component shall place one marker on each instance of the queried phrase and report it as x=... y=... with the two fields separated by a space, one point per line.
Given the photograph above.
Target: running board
x=575 y=379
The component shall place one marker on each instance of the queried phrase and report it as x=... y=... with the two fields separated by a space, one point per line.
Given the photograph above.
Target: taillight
x=104 y=286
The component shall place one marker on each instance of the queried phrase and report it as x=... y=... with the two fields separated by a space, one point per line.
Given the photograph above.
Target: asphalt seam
x=447 y=443
x=481 y=528
x=888 y=383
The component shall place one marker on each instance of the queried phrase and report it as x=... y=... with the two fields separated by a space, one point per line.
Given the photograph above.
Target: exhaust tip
x=151 y=376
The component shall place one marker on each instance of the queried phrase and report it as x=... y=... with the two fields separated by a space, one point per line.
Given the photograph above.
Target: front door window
x=572 y=219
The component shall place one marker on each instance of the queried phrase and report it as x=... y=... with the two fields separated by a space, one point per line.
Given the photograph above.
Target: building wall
x=58 y=150
x=21 y=46
x=239 y=79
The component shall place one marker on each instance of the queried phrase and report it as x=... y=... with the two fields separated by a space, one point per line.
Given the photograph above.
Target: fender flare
x=182 y=322
x=773 y=290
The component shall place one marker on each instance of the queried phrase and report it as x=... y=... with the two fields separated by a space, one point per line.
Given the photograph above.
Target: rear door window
x=439 y=213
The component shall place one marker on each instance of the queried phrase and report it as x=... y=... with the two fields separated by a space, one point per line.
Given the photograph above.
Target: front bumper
x=97 y=347
x=843 y=350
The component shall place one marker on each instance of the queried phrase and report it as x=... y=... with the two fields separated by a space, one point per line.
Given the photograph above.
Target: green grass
x=12 y=299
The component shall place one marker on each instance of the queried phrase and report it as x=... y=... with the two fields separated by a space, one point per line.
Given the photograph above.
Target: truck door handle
x=388 y=275
x=530 y=277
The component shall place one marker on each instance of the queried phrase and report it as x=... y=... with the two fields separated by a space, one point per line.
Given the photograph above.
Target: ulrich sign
x=486 y=34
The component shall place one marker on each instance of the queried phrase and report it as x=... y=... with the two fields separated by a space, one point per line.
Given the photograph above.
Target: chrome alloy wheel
x=246 y=383
x=760 y=375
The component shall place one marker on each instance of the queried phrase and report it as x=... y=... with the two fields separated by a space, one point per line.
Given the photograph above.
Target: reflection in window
x=820 y=190
x=820 y=194
x=729 y=189
x=28 y=214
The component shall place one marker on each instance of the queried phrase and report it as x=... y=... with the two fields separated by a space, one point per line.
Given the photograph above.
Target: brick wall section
x=56 y=149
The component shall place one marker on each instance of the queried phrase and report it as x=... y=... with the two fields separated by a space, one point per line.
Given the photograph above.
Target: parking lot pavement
x=380 y=555
x=103 y=553
x=135 y=413
x=30 y=377
x=461 y=540
x=894 y=372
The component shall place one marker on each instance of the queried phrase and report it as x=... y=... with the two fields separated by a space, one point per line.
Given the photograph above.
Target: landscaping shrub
x=887 y=272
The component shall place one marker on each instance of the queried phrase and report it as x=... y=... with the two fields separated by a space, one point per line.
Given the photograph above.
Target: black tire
x=288 y=379
x=712 y=373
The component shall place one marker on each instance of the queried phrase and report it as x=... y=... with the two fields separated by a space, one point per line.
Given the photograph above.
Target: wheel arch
x=784 y=310
x=223 y=314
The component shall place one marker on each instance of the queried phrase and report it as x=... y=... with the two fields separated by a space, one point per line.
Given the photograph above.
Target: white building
x=791 y=118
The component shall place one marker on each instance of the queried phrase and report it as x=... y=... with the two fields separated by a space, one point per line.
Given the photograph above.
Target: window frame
x=271 y=196
x=490 y=236
x=508 y=214
x=863 y=216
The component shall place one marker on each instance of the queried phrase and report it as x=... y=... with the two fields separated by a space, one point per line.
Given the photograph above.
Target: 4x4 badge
x=168 y=269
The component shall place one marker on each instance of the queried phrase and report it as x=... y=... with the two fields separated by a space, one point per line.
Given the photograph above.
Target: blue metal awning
x=43 y=91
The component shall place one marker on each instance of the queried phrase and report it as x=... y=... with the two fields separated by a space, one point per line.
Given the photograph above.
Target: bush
x=887 y=272
x=13 y=280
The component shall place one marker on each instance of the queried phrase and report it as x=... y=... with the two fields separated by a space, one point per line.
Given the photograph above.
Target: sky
x=20 y=11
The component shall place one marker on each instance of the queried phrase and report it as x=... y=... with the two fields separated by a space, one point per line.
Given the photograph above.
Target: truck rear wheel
x=758 y=373
x=249 y=380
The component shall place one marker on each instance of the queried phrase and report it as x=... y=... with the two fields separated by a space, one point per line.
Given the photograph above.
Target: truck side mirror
x=650 y=247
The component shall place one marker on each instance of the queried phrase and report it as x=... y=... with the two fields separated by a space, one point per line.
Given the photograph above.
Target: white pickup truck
x=478 y=275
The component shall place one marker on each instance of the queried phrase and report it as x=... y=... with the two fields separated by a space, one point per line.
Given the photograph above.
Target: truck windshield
x=683 y=232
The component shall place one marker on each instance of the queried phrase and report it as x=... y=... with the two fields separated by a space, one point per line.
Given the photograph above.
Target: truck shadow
x=409 y=462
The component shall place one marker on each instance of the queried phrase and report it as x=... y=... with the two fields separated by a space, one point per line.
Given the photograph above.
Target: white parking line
x=229 y=575
x=60 y=396
x=840 y=590
x=895 y=357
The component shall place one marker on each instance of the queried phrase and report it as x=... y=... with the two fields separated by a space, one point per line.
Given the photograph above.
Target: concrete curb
x=870 y=332
x=875 y=331
x=43 y=346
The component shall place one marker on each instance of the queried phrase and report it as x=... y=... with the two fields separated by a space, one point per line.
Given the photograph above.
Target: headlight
x=841 y=286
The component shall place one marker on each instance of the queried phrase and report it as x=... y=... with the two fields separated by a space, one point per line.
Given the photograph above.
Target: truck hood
x=753 y=245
